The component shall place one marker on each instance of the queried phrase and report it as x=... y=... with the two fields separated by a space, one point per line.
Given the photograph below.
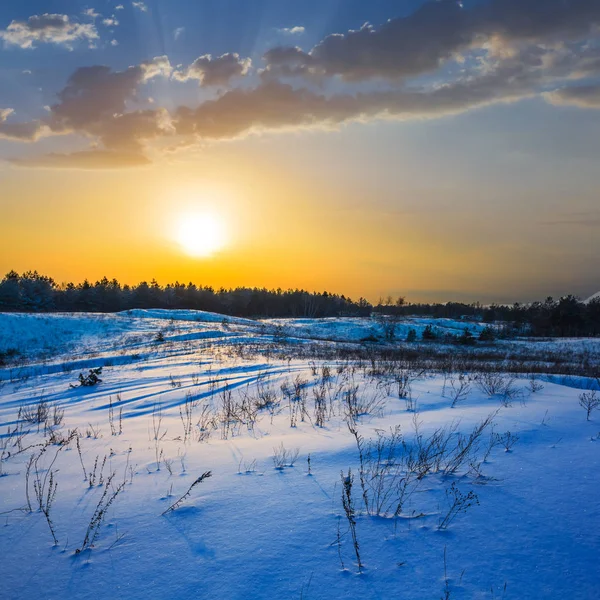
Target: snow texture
x=256 y=531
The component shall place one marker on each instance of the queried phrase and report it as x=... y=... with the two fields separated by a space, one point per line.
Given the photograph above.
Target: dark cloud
x=512 y=49
x=96 y=94
x=583 y=96
x=276 y=105
x=218 y=71
x=94 y=103
x=421 y=42
x=25 y=132
x=47 y=29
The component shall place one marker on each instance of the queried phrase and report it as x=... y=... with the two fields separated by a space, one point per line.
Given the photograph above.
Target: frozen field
x=463 y=484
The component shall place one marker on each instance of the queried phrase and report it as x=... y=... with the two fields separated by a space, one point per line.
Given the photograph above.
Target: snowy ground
x=255 y=531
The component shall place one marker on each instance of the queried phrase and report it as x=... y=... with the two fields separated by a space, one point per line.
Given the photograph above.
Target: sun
x=201 y=234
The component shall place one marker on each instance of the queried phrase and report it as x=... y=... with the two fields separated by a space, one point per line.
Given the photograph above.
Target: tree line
x=566 y=317
x=34 y=292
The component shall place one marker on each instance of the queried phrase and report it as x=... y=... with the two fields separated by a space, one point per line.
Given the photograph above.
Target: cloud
x=94 y=103
x=159 y=66
x=582 y=96
x=90 y=12
x=140 y=6
x=510 y=50
x=110 y=22
x=275 y=105
x=95 y=99
x=298 y=30
x=47 y=29
x=215 y=71
x=28 y=131
x=178 y=32
x=438 y=31
x=575 y=61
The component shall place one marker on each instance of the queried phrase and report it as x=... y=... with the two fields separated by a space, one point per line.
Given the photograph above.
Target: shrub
x=284 y=458
x=459 y=502
x=429 y=334
x=179 y=502
x=350 y=512
x=487 y=334
x=466 y=338
x=92 y=378
x=589 y=401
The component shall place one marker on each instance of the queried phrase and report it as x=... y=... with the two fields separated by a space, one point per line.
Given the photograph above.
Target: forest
x=34 y=292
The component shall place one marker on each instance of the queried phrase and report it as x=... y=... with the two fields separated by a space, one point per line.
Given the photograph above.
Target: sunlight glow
x=201 y=234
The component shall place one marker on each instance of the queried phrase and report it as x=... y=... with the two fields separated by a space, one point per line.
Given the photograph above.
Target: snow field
x=253 y=530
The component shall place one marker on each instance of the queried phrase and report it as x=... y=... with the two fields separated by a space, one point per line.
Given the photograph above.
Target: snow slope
x=254 y=531
x=593 y=297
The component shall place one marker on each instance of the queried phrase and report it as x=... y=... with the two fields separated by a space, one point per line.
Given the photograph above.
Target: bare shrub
x=494 y=383
x=507 y=439
x=533 y=383
x=248 y=411
x=385 y=478
x=206 y=424
x=46 y=501
x=186 y=413
x=350 y=512
x=159 y=433
x=589 y=401
x=116 y=428
x=92 y=432
x=458 y=502
x=181 y=500
x=359 y=405
x=81 y=458
x=283 y=458
x=296 y=395
x=168 y=462
x=106 y=500
x=320 y=397
x=44 y=482
x=466 y=446
x=460 y=389
x=35 y=414
x=229 y=413
x=246 y=468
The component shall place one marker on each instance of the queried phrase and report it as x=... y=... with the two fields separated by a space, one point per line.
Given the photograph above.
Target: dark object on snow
x=179 y=502
x=92 y=378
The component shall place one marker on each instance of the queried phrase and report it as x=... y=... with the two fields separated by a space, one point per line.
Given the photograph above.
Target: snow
x=592 y=297
x=252 y=530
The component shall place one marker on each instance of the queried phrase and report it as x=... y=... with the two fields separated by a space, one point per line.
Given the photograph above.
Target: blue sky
x=477 y=117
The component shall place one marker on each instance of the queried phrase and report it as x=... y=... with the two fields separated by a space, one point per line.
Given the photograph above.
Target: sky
x=437 y=150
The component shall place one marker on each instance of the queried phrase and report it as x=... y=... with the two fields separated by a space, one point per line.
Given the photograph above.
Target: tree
x=428 y=333
x=487 y=334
